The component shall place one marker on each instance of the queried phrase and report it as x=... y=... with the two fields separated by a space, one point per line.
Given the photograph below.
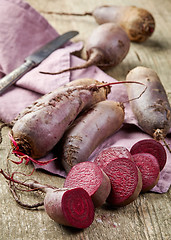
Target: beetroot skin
x=153 y=147
x=91 y=178
x=125 y=180
x=149 y=168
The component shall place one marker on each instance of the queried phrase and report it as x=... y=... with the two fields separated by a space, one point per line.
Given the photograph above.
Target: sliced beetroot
x=153 y=147
x=69 y=207
x=73 y=207
x=91 y=178
x=149 y=168
x=125 y=180
x=111 y=153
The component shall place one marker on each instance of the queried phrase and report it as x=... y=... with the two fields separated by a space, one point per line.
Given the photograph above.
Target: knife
x=34 y=59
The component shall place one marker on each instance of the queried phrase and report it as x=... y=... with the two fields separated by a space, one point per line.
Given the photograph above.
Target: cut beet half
x=153 y=147
x=91 y=178
x=70 y=207
x=125 y=180
x=78 y=208
x=111 y=153
x=149 y=168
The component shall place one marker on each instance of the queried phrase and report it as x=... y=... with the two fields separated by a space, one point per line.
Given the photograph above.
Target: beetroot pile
x=116 y=178
x=77 y=117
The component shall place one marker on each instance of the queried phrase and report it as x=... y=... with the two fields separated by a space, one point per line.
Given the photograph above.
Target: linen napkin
x=31 y=31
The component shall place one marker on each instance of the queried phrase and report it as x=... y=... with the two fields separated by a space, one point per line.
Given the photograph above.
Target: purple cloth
x=22 y=31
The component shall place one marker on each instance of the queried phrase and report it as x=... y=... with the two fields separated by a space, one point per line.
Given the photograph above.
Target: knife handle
x=12 y=77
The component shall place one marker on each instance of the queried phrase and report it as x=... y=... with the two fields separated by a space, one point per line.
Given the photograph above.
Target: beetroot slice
x=153 y=147
x=78 y=208
x=91 y=178
x=125 y=179
x=149 y=168
x=111 y=153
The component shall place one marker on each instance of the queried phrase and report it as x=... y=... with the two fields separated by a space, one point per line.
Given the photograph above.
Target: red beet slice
x=153 y=147
x=72 y=207
x=125 y=179
x=90 y=177
x=111 y=153
x=149 y=168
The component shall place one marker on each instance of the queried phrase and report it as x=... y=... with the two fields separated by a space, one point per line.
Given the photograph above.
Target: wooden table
x=149 y=217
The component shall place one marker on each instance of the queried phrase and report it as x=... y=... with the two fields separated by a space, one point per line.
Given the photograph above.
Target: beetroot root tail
x=68 y=14
x=95 y=58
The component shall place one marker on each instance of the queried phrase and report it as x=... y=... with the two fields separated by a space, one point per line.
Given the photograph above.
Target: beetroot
x=72 y=207
x=107 y=46
x=89 y=130
x=41 y=125
x=153 y=147
x=152 y=110
x=138 y=23
x=90 y=177
x=109 y=154
x=149 y=168
x=126 y=181
x=69 y=207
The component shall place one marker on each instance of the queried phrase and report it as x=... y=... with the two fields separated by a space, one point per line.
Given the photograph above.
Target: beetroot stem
x=119 y=82
x=108 y=84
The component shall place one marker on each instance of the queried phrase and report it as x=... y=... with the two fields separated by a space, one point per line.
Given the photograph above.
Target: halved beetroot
x=91 y=178
x=111 y=153
x=125 y=180
x=153 y=147
x=149 y=168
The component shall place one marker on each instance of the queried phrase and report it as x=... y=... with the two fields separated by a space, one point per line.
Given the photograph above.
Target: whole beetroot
x=137 y=22
x=41 y=125
x=107 y=46
x=90 y=129
x=152 y=109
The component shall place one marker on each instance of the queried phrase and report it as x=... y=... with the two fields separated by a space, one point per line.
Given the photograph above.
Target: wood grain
x=147 y=218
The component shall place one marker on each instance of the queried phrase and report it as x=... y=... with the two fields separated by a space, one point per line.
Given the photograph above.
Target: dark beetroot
x=153 y=147
x=125 y=180
x=149 y=168
x=91 y=178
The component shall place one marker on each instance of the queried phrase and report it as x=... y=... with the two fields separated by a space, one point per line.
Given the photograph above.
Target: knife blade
x=34 y=59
